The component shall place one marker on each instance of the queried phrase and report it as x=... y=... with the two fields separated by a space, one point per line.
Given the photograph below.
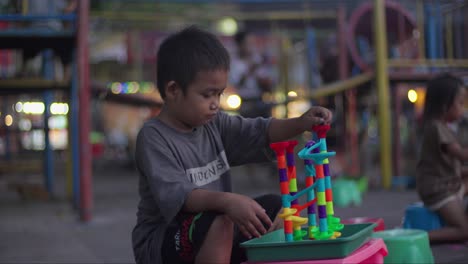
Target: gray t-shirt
x=173 y=163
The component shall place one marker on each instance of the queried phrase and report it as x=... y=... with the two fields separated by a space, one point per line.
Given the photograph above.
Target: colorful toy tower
x=334 y=222
x=318 y=153
x=293 y=181
x=288 y=188
x=279 y=149
x=318 y=190
x=309 y=181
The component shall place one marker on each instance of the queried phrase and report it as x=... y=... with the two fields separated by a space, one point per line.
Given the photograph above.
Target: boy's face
x=200 y=103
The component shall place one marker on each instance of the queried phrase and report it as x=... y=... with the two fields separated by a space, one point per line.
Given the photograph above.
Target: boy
x=185 y=214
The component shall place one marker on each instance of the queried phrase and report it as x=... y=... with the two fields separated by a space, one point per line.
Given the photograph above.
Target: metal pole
x=340 y=86
x=396 y=154
x=458 y=35
x=75 y=133
x=351 y=130
x=284 y=67
x=462 y=63
x=8 y=138
x=465 y=40
x=86 y=204
x=383 y=93
x=265 y=15
x=449 y=35
x=440 y=30
x=48 y=71
x=420 y=22
x=431 y=25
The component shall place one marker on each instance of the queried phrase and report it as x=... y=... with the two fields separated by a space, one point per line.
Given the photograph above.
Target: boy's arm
x=200 y=200
x=245 y=212
x=284 y=129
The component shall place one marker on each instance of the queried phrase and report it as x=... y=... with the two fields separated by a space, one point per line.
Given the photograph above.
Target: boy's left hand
x=277 y=224
x=316 y=115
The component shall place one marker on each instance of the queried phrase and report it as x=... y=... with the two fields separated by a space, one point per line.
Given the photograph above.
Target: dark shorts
x=185 y=236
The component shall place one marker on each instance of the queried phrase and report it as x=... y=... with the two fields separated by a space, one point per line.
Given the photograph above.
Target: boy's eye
x=207 y=95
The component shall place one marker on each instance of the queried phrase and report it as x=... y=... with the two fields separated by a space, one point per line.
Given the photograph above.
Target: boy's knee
x=226 y=221
x=216 y=248
x=223 y=224
x=271 y=203
x=274 y=199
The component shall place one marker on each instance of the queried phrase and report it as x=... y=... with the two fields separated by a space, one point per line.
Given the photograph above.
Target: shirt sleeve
x=245 y=139
x=444 y=134
x=166 y=177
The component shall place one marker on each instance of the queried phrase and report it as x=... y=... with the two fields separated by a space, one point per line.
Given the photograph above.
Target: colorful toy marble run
x=318 y=189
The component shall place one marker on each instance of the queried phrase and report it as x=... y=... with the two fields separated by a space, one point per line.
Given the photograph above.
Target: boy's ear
x=172 y=90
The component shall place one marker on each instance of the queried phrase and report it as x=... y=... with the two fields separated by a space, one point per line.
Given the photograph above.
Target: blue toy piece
x=417 y=216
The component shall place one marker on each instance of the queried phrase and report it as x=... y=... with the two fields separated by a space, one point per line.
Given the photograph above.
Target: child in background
x=251 y=75
x=186 y=213
x=440 y=180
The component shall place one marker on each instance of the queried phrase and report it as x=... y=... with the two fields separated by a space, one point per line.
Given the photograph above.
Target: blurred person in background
x=441 y=180
x=251 y=74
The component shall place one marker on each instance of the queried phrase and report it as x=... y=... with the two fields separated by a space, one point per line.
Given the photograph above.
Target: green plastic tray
x=273 y=247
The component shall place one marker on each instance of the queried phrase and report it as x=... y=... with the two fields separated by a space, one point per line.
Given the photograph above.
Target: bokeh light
x=8 y=120
x=234 y=101
x=227 y=26
x=412 y=96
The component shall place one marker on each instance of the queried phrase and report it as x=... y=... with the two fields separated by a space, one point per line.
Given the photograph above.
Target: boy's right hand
x=316 y=115
x=247 y=214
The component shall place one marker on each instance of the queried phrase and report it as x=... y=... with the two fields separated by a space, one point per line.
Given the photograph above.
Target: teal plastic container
x=406 y=246
x=273 y=247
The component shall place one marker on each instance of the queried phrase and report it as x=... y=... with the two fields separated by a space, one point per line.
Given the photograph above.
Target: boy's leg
x=208 y=237
x=272 y=205
x=185 y=236
x=216 y=247
x=456 y=229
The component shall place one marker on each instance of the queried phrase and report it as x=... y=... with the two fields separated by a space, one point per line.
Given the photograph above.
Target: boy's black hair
x=440 y=95
x=182 y=55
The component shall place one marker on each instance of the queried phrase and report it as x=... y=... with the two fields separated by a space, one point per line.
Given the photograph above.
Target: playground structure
x=438 y=29
x=403 y=45
x=79 y=181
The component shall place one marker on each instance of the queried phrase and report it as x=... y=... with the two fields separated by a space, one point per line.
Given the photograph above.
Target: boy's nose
x=214 y=105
